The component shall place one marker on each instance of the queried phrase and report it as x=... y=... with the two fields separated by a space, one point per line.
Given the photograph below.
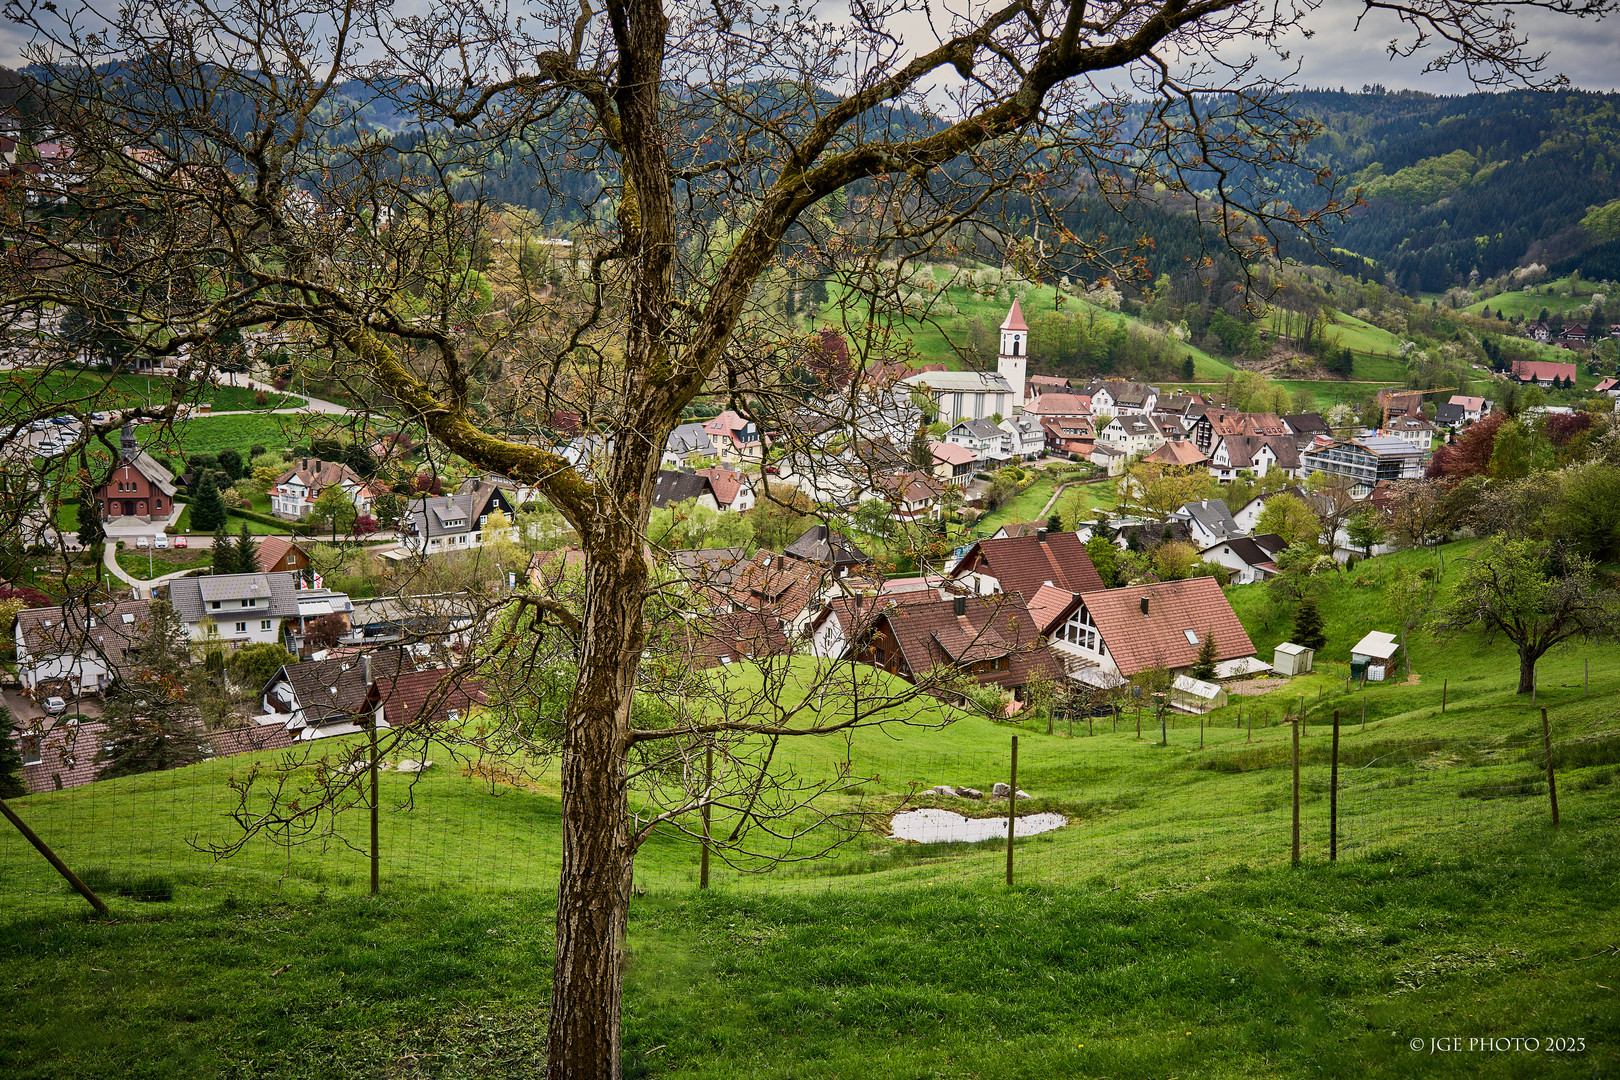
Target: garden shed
x=1372 y=655
x=1291 y=659
x=1196 y=696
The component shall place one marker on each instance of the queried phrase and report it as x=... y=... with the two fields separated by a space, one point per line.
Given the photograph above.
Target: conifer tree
x=1204 y=666
x=224 y=554
x=151 y=722
x=1308 y=629
x=247 y=558
x=207 y=505
x=11 y=784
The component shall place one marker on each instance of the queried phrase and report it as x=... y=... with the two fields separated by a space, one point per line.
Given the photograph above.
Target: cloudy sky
x=1588 y=51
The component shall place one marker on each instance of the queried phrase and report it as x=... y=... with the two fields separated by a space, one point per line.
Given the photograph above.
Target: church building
x=975 y=395
x=140 y=487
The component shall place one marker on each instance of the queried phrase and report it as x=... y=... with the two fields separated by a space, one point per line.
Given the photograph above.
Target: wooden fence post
x=1445 y=684
x=1012 y=806
x=1552 y=777
x=1586 y=677
x=1200 y=731
x=1333 y=796
x=1294 y=861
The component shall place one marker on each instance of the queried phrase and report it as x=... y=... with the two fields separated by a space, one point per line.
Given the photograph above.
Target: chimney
x=959 y=605
x=1040 y=535
x=305 y=464
x=1144 y=605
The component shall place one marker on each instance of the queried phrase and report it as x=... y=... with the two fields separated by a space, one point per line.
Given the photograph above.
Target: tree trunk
x=598 y=853
x=1527 y=671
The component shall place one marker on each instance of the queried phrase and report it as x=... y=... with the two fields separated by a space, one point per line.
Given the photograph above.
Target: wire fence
x=1122 y=793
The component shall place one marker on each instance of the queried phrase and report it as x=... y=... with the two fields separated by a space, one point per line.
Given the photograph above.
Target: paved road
x=109 y=559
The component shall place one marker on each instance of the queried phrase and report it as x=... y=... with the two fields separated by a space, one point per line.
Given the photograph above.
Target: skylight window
x=1192 y=638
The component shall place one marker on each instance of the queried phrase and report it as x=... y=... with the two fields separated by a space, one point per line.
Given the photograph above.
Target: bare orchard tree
x=709 y=160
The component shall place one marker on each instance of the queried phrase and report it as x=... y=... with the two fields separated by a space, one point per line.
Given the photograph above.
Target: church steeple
x=1013 y=361
x=127 y=446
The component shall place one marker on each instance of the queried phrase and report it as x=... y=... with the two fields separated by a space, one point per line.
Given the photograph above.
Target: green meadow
x=1162 y=932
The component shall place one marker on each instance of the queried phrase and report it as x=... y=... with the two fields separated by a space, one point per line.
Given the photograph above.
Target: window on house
x=453 y=715
x=264 y=624
x=32 y=754
x=213 y=605
x=241 y=628
x=291 y=559
x=1192 y=638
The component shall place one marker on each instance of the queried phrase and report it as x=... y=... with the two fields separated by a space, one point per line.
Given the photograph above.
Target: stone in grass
x=941 y=791
x=409 y=766
x=970 y=793
x=1001 y=791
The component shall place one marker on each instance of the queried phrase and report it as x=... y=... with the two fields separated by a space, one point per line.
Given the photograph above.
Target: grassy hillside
x=1549 y=295
x=1161 y=933
x=101 y=391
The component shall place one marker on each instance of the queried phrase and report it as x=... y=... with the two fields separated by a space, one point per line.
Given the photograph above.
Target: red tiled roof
x=725 y=482
x=1060 y=405
x=272 y=550
x=779 y=584
x=1023 y=563
x=1047 y=604
x=68 y=752
x=952 y=453
x=1177 y=452
x=1015 y=318
x=735 y=636
x=1136 y=641
x=1542 y=369
x=414 y=696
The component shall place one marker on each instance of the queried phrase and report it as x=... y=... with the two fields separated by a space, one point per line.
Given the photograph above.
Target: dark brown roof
x=68 y=751
x=335 y=688
x=1137 y=641
x=74 y=630
x=735 y=636
x=272 y=552
x=1023 y=564
x=930 y=633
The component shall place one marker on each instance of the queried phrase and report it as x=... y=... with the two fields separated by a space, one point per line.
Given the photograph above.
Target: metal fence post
x=708 y=781
x=1333 y=796
x=1295 y=858
x=1012 y=807
x=1552 y=777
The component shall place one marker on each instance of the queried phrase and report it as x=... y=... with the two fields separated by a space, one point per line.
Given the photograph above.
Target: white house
x=1249 y=558
x=76 y=645
x=1135 y=434
x=1208 y=521
x=1117 y=397
x=1026 y=437
x=988 y=441
x=433 y=525
x=248 y=609
x=296 y=490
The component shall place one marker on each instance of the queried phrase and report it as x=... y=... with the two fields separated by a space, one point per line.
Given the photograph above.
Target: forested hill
x=1486 y=181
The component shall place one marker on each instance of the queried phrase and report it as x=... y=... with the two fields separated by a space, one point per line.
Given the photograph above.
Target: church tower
x=1013 y=362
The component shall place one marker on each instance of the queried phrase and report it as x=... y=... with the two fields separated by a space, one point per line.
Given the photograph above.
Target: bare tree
x=704 y=157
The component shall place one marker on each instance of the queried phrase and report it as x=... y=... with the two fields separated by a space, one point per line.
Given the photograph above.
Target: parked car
x=55 y=705
x=181 y=542
x=142 y=541
x=160 y=541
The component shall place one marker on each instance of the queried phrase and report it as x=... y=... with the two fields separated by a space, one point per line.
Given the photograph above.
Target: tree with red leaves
x=1470 y=454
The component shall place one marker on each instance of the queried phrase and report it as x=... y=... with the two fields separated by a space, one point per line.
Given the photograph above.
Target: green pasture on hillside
x=1529 y=305
x=95 y=391
x=1161 y=933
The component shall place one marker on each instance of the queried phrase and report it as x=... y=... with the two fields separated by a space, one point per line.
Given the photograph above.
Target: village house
x=1071 y=436
x=279 y=553
x=912 y=496
x=1026 y=437
x=1109 y=458
x=1055 y=406
x=1250 y=558
x=1136 y=627
x=1413 y=429
x=435 y=524
x=319 y=698
x=1118 y=397
x=1022 y=564
x=139 y=487
x=992 y=639
x=686 y=445
x=1254 y=454
x=1367 y=460
x=295 y=491
x=733 y=490
x=1449 y=417
x=1212 y=423
x=77 y=648
x=731 y=637
x=735 y=438
x=1134 y=434
x=834 y=553
x=1208 y=521
x=953 y=463
x=987 y=439
x=1180 y=453
x=1474 y=408
x=673 y=487
x=1542 y=372
x=244 y=609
